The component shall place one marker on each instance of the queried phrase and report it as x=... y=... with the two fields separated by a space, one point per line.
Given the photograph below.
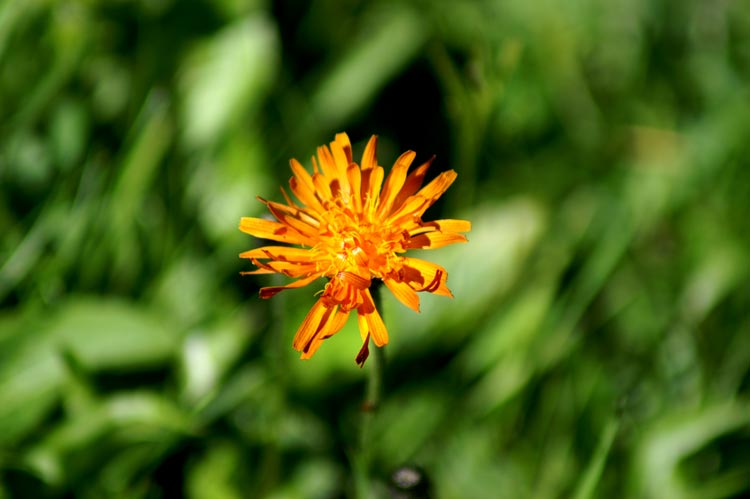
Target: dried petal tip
x=364 y=352
x=352 y=224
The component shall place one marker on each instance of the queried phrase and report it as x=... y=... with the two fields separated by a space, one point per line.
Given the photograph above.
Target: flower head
x=352 y=226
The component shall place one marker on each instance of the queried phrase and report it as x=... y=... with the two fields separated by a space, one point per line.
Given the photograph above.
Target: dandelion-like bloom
x=352 y=228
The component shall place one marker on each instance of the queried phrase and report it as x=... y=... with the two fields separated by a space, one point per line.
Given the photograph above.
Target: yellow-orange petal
x=287 y=198
x=353 y=279
x=413 y=183
x=354 y=175
x=291 y=269
x=327 y=164
x=304 y=215
x=342 y=139
x=271 y=291
x=432 y=240
x=447 y=225
x=369 y=157
x=417 y=204
x=310 y=325
x=403 y=292
x=275 y=231
x=372 y=179
x=337 y=322
x=302 y=225
x=303 y=187
x=340 y=158
x=302 y=174
x=425 y=276
x=370 y=321
x=330 y=325
x=279 y=253
x=339 y=182
x=395 y=182
x=322 y=186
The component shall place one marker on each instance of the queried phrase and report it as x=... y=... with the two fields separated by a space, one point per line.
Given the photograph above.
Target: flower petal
x=372 y=179
x=448 y=225
x=271 y=291
x=413 y=182
x=432 y=240
x=425 y=276
x=280 y=253
x=310 y=326
x=403 y=292
x=291 y=269
x=303 y=187
x=342 y=139
x=322 y=186
x=305 y=215
x=301 y=224
x=330 y=325
x=370 y=321
x=327 y=163
x=275 y=231
x=416 y=205
x=363 y=353
x=369 y=157
x=354 y=175
x=395 y=182
x=340 y=157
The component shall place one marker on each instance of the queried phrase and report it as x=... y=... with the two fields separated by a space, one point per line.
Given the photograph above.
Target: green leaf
x=113 y=334
x=227 y=76
x=31 y=376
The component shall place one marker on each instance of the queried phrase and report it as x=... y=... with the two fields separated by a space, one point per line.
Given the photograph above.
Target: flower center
x=352 y=245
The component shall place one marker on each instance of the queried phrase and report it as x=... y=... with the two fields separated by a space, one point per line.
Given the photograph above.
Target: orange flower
x=353 y=231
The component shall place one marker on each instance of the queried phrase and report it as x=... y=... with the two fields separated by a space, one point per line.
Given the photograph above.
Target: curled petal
x=363 y=353
x=425 y=276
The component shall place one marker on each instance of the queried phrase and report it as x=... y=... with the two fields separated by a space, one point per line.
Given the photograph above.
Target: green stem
x=362 y=461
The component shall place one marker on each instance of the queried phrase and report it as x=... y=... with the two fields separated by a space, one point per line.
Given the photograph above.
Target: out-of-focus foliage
x=599 y=341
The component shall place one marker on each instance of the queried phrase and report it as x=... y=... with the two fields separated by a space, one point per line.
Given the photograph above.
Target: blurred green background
x=599 y=341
